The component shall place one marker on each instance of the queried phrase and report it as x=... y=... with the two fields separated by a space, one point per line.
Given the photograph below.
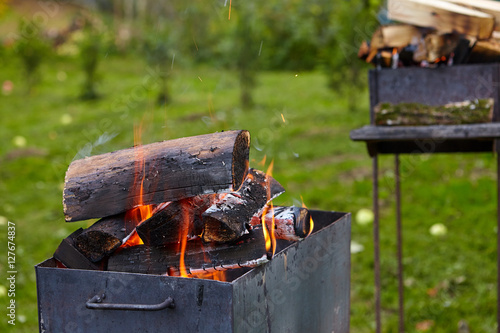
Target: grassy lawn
x=447 y=278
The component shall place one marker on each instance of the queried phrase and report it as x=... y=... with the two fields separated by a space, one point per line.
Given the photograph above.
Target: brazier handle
x=96 y=303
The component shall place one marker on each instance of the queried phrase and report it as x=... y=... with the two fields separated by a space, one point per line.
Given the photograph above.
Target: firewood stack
x=436 y=32
x=188 y=207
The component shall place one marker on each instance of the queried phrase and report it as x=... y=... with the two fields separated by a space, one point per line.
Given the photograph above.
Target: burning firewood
x=104 y=237
x=249 y=251
x=440 y=46
x=108 y=184
x=168 y=220
x=228 y=219
x=392 y=36
x=69 y=256
x=290 y=223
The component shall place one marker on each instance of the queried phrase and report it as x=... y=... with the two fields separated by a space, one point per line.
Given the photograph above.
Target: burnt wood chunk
x=227 y=219
x=249 y=251
x=290 y=223
x=104 y=237
x=170 y=218
x=109 y=184
x=69 y=255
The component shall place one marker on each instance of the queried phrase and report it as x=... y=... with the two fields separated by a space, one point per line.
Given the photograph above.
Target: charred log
x=109 y=184
x=170 y=218
x=290 y=223
x=249 y=251
x=69 y=256
x=228 y=219
x=104 y=237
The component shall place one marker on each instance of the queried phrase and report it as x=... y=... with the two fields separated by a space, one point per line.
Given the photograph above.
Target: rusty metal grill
x=305 y=287
x=433 y=87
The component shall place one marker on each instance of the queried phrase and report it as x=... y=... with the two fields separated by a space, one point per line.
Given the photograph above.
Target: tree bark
x=110 y=184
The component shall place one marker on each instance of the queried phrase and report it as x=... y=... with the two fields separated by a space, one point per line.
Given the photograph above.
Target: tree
x=90 y=52
x=158 y=49
x=246 y=39
x=351 y=23
x=32 y=49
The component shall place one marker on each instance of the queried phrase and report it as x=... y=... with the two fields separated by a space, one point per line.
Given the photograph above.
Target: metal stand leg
x=376 y=245
x=497 y=146
x=399 y=246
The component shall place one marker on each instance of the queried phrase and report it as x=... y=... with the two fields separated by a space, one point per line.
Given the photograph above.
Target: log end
x=302 y=222
x=219 y=232
x=96 y=245
x=240 y=163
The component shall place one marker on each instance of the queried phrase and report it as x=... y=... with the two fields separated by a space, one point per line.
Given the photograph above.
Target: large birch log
x=110 y=184
x=229 y=218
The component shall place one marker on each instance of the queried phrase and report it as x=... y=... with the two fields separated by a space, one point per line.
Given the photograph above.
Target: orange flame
x=183 y=238
x=442 y=59
x=140 y=212
x=262 y=163
x=269 y=234
x=267 y=237
x=215 y=275
x=311 y=222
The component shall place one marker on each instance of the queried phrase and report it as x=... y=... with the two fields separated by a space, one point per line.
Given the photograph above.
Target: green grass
x=313 y=156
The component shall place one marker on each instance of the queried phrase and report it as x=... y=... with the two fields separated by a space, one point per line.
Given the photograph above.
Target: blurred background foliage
x=273 y=35
x=78 y=75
